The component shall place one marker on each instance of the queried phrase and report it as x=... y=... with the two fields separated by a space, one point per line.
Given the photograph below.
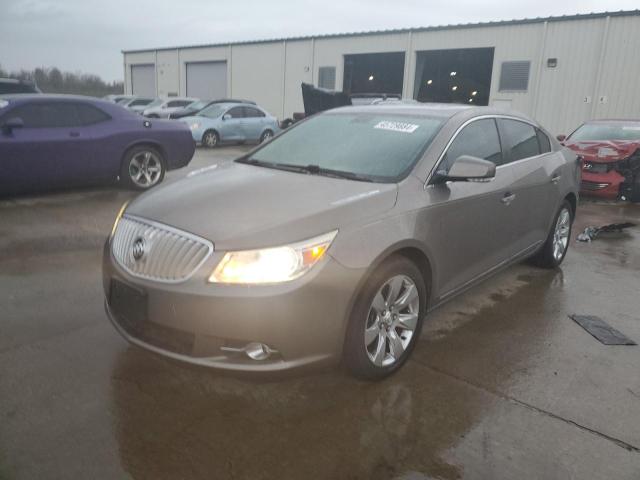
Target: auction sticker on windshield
x=397 y=126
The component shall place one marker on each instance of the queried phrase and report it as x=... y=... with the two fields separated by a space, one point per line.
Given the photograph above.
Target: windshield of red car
x=606 y=131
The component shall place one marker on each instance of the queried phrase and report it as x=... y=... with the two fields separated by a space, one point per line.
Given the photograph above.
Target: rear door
x=50 y=151
x=253 y=123
x=468 y=225
x=528 y=155
x=231 y=125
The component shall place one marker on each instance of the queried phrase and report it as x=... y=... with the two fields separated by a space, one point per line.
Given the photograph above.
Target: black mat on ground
x=601 y=330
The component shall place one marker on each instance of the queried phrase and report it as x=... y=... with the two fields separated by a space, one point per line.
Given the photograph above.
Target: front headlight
x=118 y=217
x=272 y=265
x=194 y=126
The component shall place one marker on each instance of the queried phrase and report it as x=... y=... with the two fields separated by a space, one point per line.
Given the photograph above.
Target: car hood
x=239 y=206
x=605 y=151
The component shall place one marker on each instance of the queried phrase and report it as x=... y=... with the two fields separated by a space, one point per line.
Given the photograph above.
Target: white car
x=168 y=106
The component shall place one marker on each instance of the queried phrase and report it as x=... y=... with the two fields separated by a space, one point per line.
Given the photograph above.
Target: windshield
x=214 y=111
x=198 y=104
x=155 y=103
x=377 y=146
x=607 y=131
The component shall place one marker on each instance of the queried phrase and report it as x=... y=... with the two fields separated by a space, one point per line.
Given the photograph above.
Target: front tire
x=266 y=136
x=555 y=247
x=386 y=320
x=210 y=139
x=142 y=168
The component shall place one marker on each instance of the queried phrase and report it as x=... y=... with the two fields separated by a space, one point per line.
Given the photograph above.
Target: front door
x=467 y=225
x=231 y=126
x=50 y=151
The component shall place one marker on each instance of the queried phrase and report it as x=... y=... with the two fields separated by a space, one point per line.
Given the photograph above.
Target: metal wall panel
x=207 y=80
x=595 y=75
x=143 y=80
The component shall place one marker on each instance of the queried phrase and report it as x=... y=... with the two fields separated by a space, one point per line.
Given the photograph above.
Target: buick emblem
x=138 y=249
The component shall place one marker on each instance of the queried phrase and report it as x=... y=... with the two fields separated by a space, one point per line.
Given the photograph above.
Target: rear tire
x=556 y=246
x=386 y=320
x=143 y=167
x=210 y=139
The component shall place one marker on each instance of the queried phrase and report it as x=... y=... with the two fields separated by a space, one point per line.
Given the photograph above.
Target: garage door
x=143 y=80
x=207 y=80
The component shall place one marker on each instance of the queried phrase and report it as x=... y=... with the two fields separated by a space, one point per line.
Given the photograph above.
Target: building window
x=327 y=77
x=460 y=75
x=514 y=76
x=373 y=73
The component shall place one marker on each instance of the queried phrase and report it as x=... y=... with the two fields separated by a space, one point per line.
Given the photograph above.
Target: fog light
x=258 y=351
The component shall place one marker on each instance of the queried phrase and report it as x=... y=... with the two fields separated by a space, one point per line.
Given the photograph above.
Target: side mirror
x=467 y=168
x=11 y=123
x=227 y=116
x=561 y=138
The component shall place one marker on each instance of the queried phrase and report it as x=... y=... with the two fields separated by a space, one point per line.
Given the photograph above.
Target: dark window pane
x=46 y=115
x=236 y=112
x=478 y=139
x=88 y=115
x=519 y=138
x=543 y=141
x=250 y=112
x=178 y=103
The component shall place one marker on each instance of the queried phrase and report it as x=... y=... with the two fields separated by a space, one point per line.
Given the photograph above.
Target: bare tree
x=52 y=80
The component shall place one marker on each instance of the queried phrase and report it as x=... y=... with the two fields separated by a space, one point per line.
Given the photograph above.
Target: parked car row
x=212 y=122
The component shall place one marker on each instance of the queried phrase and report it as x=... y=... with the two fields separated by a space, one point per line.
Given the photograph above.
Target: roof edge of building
x=496 y=23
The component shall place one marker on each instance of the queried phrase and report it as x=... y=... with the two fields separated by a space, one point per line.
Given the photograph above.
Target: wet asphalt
x=503 y=385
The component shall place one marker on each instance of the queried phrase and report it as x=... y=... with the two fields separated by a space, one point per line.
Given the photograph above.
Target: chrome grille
x=158 y=252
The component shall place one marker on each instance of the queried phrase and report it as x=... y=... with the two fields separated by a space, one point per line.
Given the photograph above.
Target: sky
x=88 y=36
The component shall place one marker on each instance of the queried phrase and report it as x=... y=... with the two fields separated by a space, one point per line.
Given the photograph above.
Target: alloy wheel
x=210 y=139
x=561 y=234
x=392 y=320
x=145 y=169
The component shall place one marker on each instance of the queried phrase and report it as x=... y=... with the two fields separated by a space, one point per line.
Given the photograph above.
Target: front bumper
x=303 y=321
x=603 y=185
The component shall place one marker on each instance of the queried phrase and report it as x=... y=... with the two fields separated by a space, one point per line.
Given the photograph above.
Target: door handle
x=556 y=178
x=508 y=198
x=74 y=134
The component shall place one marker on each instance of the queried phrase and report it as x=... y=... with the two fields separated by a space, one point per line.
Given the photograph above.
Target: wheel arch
x=410 y=249
x=145 y=143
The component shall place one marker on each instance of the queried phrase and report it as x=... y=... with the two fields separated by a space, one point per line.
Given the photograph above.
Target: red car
x=611 y=158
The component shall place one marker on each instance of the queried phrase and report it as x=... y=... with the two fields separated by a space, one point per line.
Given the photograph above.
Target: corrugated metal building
x=560 y=70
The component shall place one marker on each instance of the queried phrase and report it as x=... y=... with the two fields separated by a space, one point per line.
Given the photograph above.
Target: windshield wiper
x=308 y=169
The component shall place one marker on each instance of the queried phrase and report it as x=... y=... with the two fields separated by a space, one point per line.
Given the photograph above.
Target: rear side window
x=251 y=112
x=479 y=139
x=543 y=141
x=89 y=115
x=520 y=139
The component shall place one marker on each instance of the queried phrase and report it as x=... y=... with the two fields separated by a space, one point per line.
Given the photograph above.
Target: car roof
x=48 y=96
x=441 y=110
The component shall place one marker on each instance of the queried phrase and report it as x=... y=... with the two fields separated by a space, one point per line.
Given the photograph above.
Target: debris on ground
x=590 y=233
x=601 y=330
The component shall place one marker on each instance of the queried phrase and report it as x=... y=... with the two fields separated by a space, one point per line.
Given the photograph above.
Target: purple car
x=55 y=141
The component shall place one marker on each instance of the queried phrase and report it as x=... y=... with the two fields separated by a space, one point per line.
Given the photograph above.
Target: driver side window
x=479 y=139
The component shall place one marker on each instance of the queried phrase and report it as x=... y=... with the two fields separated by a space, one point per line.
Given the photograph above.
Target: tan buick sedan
x=336 y=239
